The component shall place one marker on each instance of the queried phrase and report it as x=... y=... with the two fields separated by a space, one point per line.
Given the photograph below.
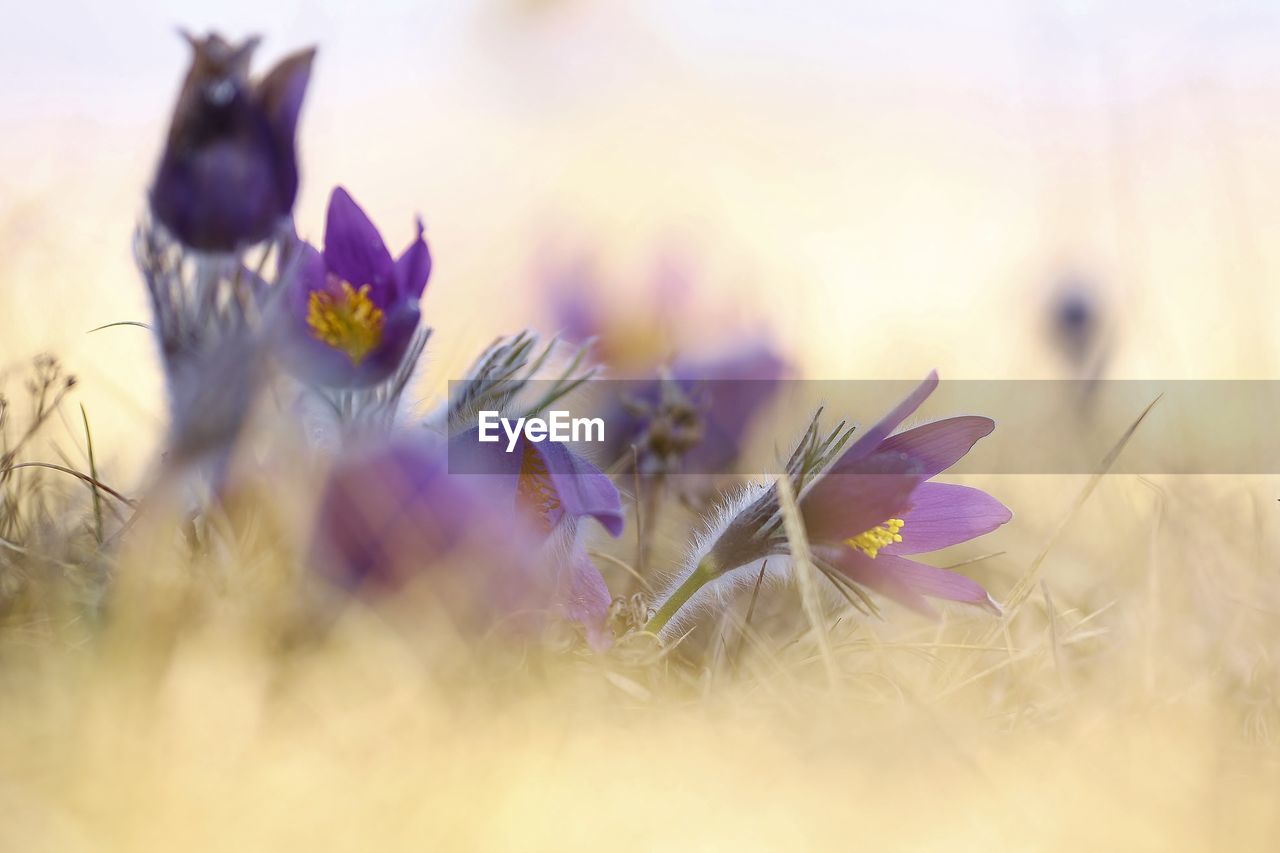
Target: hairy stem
x=680 y=596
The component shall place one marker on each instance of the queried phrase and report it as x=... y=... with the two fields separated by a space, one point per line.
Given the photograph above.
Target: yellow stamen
x=349 y=322
x=880 y=536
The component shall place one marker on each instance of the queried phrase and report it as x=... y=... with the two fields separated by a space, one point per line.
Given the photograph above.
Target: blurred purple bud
x=1076 y=320
x=229 y=171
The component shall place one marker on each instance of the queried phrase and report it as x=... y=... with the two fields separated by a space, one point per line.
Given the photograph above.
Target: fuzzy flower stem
x=680 y=596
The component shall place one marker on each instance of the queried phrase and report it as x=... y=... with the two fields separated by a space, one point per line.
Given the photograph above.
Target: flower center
x=534 y=491
x=349 y=321
x=880 y=536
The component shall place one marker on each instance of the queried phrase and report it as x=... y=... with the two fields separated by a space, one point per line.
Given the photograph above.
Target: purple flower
x=695 y=420
x=687 y=415
x=552 y=489
x=353 y=310
x=730 y=390
x=557 y=489
x=229 y=171
x=392 y=515
x=1079 y=329
x=875 y=506
x=497 y=541
x=630 y=340
x=390 y=509
x=870 y=509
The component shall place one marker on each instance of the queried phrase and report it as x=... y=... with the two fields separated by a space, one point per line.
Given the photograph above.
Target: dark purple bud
x=1076 y=320
x=229 y=171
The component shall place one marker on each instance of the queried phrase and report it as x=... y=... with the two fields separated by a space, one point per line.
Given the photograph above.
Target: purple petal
x=468 y=455
x=398 y=329
x=391 y=515
x=304 y=275
x=877 y=574
x=757 y=362
x=583 y=489
x=870 y=440
x=908 y=582
x=729 y=392
x=574 y=307
x=866 y=493
x=582 y=596
x=941 y=583
x=353 y=249
x=392 y=511
x=221 y=195
x=315 y=361
x=939 y=445
x=943 y=515
x=413 y=268
x=281 y=91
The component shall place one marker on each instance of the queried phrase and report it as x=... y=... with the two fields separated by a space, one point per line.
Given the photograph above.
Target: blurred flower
x=1075 y=322
x=649 y=331
x=203 y=316
x=1076 y=326
x=229 y=171
x=558 y=489
x=502 y=527
x=352 y=310
x=863 y=512
x=683 y=414
x=552 y=489
x=633 y=341
x=391 y=513
x=695 y=419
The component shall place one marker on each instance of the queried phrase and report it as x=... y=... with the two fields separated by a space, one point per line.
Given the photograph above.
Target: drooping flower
x=864 y=514
x=352 y=310
x=553 y=489
x=229 y=173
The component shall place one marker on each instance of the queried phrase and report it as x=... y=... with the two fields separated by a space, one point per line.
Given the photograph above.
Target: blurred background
x=998 y=190
x=880 y=188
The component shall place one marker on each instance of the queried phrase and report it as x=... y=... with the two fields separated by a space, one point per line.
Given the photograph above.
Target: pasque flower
x=403 y=509
x=352 y=310
x=682 y=413
x=391 y=514
x=876 y=506
x=865 y=514
x=229 y=171
x=696 y=417
x=552 y=489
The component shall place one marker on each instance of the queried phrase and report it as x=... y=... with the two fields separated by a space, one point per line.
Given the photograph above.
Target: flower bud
x=229 y=171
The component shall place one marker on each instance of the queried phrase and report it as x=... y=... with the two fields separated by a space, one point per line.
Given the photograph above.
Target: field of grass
x=160 y=694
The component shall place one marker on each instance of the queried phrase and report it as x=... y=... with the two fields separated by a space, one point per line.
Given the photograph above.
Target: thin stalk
x=93 y=472
x=700 y=577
